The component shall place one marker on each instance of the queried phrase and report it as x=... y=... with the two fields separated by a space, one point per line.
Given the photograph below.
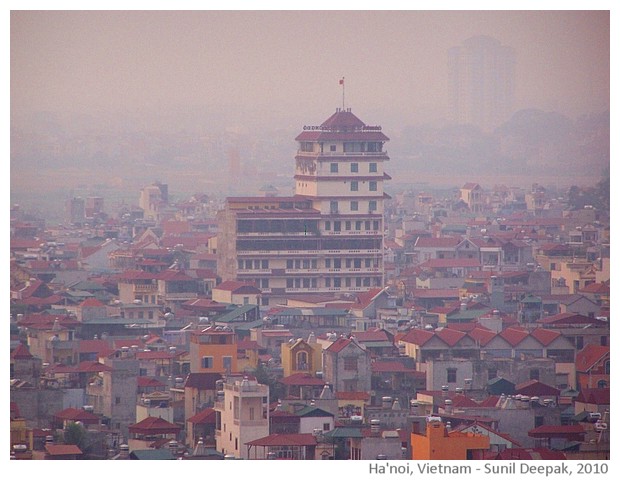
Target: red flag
x=342 y=81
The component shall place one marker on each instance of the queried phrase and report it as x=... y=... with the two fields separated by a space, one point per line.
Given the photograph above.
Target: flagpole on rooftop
x=342 y=83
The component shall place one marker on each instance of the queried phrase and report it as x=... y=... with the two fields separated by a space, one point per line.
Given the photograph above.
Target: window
x=117 y=400
x=337 y=226
x=492 y=373
x=333 y=206
x=302 y=360
x=358 y=224
x=337 y=282
x=354 y=206
x=289 y=283
x=289 y=264
x=264 y=264
x=246 y=300
x=357 y=263
x=328 y=263
x=372 y=186
x=350 y=363
x=207 y=362
x=539 y=421
x=332 y=148
x=372 y=167
x=451 y=375
x=337 y=263
x=534 y=374
x=347 y=225
x=326 y=427
x=328 y=282
x=328 y=225
x=354 y=168
x=375 y=225
x=227 y=363
x=579 y=343
x=354 y=186
x=372 y=205
x=333 y=167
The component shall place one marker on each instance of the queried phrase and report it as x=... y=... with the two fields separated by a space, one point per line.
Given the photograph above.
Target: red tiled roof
x=338 y=345
x=302 y=379
x=144 y=382
x=85 y=367
x=21 y=352
x=384 y=366
x=59 y=450
x=92 y=302
x=154 y=355
x=570 y=319
x=555 y=431
x=204 y=417
x=536 y=388
x=514 y=336
x=417 y=336
x=482 y=335
x=365 y=298
x=600 y=288
x=589 y=356
x=77 y=415
x=154 y=426
x=545 y=336
x=174 y=275
x=353 y=396
x=490 y=401
x=377 y=335
x=461 y=401
x=436 y=242
x=285 y=439
x=595 y=396
x=237 y=287
x=449 y=336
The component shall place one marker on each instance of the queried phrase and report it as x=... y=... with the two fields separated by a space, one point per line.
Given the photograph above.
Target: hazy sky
x=86 y=61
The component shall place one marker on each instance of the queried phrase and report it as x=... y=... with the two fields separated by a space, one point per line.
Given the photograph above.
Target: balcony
x=145 y=288
x=382 y=153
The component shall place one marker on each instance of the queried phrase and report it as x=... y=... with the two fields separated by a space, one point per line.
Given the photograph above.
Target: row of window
x=354 y=167
x=207 y=362
x=357 y=225
x=354 y=205
x=372 y=186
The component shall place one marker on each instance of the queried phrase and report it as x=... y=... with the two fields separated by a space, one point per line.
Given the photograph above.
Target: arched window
x=302 y=360
x=601 y=384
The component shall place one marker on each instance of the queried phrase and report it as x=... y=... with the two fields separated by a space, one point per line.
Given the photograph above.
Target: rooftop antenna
x=342 y=83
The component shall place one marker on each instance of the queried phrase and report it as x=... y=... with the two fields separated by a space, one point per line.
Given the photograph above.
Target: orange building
x=440 y=444
x=214 y=350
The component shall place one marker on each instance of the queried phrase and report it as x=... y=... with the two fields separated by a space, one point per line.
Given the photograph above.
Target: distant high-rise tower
x=481 y=82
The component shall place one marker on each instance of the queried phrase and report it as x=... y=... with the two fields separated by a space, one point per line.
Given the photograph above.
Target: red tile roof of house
x=285 y=439
x=595 y=396
x=302 y=379
x=557 y=431
x=461 y=401
x=437 y=242
x=164 y=355
x=385 y=366
x=449 y=336
x=92 y=302
x=589 y=356
x=418 y=336
x=154 y=426
x=482 y=335
x=77 y=415
x=545 y=336
x=21 y=352
x=536 y=388
x=353 y=396
x=204 y=417
x=376 y=335
x=490 y=401
x=599 y=288
x=364 y=299
x=62 y=450
x=570 y=319
x=237 y=287
x=338 y=345
x=144 y=382
x=174 y=275
x=513 y=335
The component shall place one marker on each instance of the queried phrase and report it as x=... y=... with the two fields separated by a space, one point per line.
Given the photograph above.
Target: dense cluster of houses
x=489 y=338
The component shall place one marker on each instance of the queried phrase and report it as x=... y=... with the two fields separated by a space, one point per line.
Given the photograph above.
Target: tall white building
x=481 y=76
x=328 y=237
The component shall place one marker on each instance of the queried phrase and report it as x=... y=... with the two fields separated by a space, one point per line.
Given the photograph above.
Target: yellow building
x=300 y=356
x=213 y=349
x=440 y=444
